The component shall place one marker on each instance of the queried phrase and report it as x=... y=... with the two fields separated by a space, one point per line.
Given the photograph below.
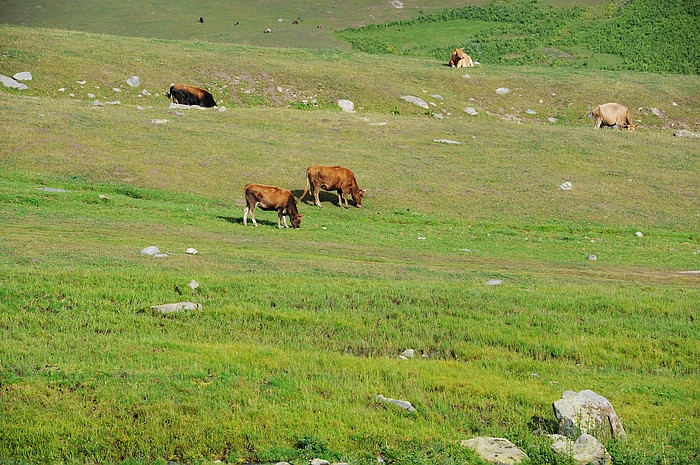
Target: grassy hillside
x=641 y=35
x=301 y=329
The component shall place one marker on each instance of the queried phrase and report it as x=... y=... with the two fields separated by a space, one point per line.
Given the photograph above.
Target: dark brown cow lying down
x=190 y=95
x=271 y=198
x=332 y=178
x=612 y=114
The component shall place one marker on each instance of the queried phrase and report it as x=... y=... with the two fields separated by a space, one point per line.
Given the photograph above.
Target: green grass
x=301 y=329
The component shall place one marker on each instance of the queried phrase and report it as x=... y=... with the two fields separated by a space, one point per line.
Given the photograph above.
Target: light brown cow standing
x=332 y=178
x=271 y=198
x=459 y=59
x=612 y=114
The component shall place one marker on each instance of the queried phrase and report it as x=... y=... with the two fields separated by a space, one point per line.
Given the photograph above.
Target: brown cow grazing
x=271 y=198
x=190 y=95
x=459 y=59
x=612 y=114
x=333 y=178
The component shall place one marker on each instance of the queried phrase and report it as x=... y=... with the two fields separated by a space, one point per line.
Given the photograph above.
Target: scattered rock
x=437 y=96
x=639 y=234
x=494 y=282
x=403 y=357
x=134 y=81
x=282 y=463
x=116 y=89
x=162 y=255
x=466 y=76
x=396 y=3
x=495 y=450
x=193 y=284
x=50 y=189
x=145 y=92
x=439 y=116
x=191 y=251
x=222 y=109
x=503 y=91
x=592 y=257
x=587 y=450
x=114 y=102
x=23 y=76
x=689 y=272
x=685 y=133
x=471 y=110
x=415 y=100
x=655 y=111
x=173 y=106
x=97 y=103
x=409 y=353
x=567 y=186
x=552 y=119
x=62 y=89
x=588 y=413
x=319 y=462
x=404 y=404
x=534 y=375
x=151 y=250
x=177 y=307
x=82 y=83
x=531 y=112
x=268 y=30
x=446 y=141
x=159 y=121
x=91 y=95
x=7 y=81
x=346 y=105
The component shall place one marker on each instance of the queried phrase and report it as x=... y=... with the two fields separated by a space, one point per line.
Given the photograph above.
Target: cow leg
x=252 y=214
x=598 y=122
x=317 y=202
x=343 y=196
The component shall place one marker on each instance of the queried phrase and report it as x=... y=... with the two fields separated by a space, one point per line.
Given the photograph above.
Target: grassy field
x=301 y=329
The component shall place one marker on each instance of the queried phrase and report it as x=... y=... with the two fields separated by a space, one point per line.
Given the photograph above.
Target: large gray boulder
x=346 y=105
x=587 y=450
x=415 y=100
x=495 y=450
x=7 y=81
x=587 y=412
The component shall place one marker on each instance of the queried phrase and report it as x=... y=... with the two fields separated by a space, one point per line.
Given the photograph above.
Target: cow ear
x=363 y=191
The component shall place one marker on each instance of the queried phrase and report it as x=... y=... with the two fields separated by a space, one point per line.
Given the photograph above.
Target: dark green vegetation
x=301 y=328
x=661 y=36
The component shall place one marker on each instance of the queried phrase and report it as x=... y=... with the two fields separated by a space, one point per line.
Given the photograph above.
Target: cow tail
x=306 y=189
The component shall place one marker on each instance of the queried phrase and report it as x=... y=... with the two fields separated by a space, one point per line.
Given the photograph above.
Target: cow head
x=296 y=220
x=357 y=197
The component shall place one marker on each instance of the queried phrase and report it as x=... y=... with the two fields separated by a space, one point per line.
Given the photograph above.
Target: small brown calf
x=271 y=198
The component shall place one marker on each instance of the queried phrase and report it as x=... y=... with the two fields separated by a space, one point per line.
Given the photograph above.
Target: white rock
x=587 y=412
x=466 y=76
x=191 y=251
x=159 y=121
x=531 y=112
x=592 y=257
x=655 y=111
x=91 y=95
x=437 y=96
x=439 y=116
x=177 y=307
x=51 y=189
x=410 y=353
x=116 y=89
x=567 y=186
x=139 y=107
x=586 y=450
x=134 y=81
x=396 y=3
x=686 y=133
x=403 y=357
x=221 y=109
x=145 y=92
x=81 y=82
x=496 y=450
x=62 y=89
x=319 y=462
x=639 y=234
x=446 y=141
x=151 y=250
x=113 y=102
x=502 y=91
x=552 y=119
x=23 y=76
x=415 y=100
x=193 y=284
x=494 y=282
x=399 y=403
x=97 y=103
x=471 y=110
x=346 y=105
x=161 y=255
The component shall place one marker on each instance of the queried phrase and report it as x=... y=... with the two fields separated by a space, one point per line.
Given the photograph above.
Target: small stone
x=471 y=110
x=62 y=89
x=159 y=121
x=319 y=462
x=134 y=81
x=193 y=284
x=502 y=91
x=466 y=76
x=655 y=111
x=191 y=251
x=446 y=141
x=567 y=186
x=151 y=250
x=116 y=89
x=531 y=112
x=91 y=95
x=686 y=133
x=81 y=82
x=161 y=255
x=496 y=450
x=494 y=282
x=639 y=234
x=222 y=109
x=534 y=375
x=113 y=102
x=23 y=76
x=674 y=104
x=420 y=238
x=145 y=92
x=51 y=189
x=103 y=197
x=464 y=250
x=437 y=96
x=403 y=357
x=439 y=116
x=346 y=105
x=399 y=403
x=410 y=353
x=415 y=100
x=177 y=307
x=592 y=257
x=97 y=103
x=552 y=119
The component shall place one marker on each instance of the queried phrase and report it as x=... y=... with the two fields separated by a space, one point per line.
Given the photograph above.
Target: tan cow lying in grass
x=271 y=198
x=612 y=114
x=459 y=59
x=332 y=178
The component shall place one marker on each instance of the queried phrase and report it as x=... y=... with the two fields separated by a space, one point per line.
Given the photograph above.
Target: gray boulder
x=686 y=133
x=588 y=413
x=471 y=111
x=177 y=307
x=404 y=404
x=7 y=81
x=346 y=105
x=134 y=81
x=586 y=450
x=415 y=100
x=503 y=91
x=151 y=250
x=23 y=76
x=495 y=450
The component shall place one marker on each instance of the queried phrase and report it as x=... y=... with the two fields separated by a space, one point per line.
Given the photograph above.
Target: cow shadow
x=323 y=196
x=239 y=220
